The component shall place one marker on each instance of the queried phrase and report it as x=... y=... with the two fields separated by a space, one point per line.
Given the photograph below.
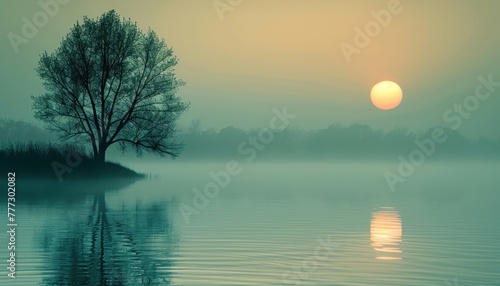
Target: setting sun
x=386 y=95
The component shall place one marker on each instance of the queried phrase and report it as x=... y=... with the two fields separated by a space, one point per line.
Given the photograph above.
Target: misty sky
x=267 y=54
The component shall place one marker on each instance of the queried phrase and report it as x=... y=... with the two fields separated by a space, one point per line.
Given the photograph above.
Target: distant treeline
x=356 y=141
x=335 y=142
x=14 y=130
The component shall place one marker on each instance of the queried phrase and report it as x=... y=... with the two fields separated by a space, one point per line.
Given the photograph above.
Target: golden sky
x=261 y=54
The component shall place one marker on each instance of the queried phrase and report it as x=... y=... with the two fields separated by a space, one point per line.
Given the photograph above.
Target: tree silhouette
x=109 y=82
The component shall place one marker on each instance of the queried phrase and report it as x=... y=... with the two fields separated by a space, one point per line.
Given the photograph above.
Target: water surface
x=273 y=224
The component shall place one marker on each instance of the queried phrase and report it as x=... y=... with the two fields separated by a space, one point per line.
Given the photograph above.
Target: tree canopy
x=109 y=82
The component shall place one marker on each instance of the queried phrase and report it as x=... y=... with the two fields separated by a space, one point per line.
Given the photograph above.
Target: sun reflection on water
x=386 y=233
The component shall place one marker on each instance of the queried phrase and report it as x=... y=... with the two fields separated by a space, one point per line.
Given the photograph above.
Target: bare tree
x=109 y=82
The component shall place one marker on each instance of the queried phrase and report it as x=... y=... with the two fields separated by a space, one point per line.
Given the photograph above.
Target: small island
x=38 y=160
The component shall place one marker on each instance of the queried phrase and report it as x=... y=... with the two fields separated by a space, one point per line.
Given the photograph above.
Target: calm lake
x=298 y=223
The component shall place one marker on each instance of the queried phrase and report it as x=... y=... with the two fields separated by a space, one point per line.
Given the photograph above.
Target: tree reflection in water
x=112 y=247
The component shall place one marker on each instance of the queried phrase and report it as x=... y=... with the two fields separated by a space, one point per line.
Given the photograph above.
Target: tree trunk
x=101 y=155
